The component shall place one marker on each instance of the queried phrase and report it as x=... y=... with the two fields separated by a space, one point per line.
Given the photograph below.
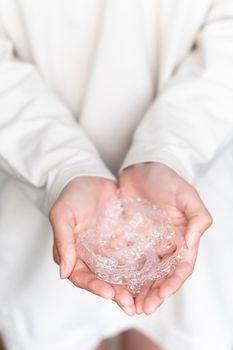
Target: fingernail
x=129 y=311
x=150 y=310
x=127 y=303
x=139 y=312
x=193 y=239
x=62 y=270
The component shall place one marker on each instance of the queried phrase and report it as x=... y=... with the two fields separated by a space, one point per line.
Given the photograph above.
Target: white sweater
x=87 y=86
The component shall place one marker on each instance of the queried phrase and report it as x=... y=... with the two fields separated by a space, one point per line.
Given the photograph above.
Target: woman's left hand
x=163 y=186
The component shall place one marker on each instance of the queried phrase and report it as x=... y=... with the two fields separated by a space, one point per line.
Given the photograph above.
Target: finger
x=65 y=245
x=153 y=300
x=56 y=257
x=180 y=274
x=124 y=299
x=139 y=300
x=198 y=217
x=83 y=278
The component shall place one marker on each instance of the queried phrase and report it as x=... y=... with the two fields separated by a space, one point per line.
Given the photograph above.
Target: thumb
x=64 y=242
x=198 y=217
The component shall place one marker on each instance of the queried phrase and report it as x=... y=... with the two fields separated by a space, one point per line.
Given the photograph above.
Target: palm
x=162 y=186
x=76 y=210
x=79 y=206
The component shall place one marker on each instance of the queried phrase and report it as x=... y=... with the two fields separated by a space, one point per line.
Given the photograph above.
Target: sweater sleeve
x=191 y=120
x=41 y=144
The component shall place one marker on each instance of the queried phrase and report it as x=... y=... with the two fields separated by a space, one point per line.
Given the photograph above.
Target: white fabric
x=200 y=316
x=77 y=78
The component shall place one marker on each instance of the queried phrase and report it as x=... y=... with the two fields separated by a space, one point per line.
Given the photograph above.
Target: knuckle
x=208 y=220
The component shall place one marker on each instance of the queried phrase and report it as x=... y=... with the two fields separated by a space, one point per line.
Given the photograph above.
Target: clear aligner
x=134 y=243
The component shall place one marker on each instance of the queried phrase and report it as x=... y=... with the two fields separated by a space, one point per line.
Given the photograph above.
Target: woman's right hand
x=78 y=206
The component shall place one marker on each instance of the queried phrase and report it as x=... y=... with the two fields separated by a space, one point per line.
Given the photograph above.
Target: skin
x=161 y=185
x=81 y=201
x=78 y=207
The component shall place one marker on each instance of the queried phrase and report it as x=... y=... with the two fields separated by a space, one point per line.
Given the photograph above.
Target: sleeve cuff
x=142 y=154
x=57 y=182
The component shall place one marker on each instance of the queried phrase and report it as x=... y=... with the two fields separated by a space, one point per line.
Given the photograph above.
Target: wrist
x=147 y=168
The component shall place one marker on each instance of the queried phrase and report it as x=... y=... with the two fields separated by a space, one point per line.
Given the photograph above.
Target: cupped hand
x=76 y=209
x=163 y=186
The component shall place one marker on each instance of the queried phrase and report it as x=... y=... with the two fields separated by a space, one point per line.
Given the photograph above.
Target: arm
x=191 y=119
x=41 y=144
x=188 y=124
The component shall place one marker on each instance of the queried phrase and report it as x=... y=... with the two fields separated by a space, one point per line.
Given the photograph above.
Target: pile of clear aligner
x=133 y=243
